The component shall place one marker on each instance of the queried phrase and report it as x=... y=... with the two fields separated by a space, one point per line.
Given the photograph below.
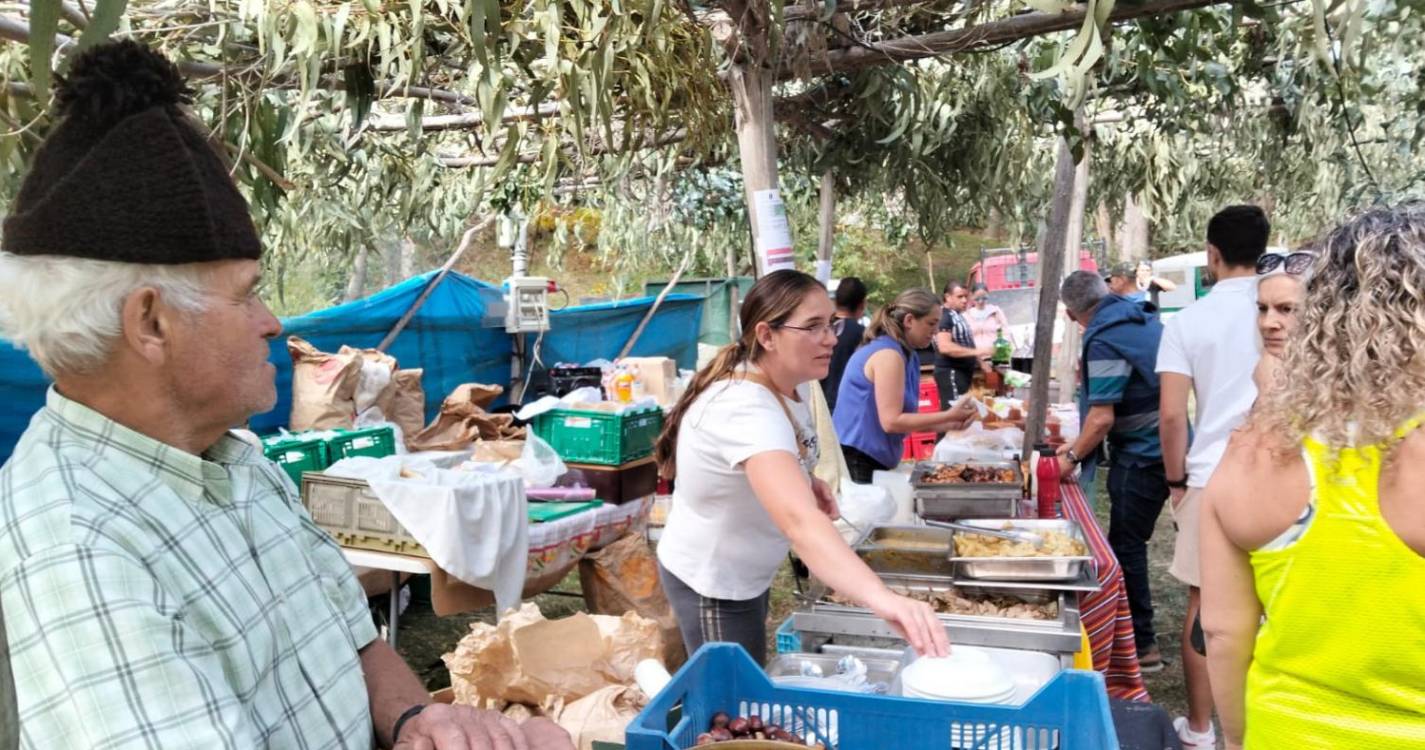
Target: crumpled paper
x=528 y=659
x=601 y=716
x=463 y=420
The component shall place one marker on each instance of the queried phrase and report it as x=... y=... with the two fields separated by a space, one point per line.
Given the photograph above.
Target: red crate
x=919 y=446
x=929 y=395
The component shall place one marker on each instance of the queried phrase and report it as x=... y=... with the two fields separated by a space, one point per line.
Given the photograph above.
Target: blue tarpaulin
x=449 y=338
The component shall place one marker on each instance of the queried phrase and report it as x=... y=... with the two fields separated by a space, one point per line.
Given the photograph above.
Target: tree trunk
x=1066 y=361
x=752 y=104
x=356 y=285
x=828 y=229
x=1103 y=224
x=408 y=258
x=1133 y=233
x=996 y=224
x=1051 y=266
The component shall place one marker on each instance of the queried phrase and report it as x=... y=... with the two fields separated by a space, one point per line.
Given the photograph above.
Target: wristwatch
x=1073 y=456
x=1180 y=484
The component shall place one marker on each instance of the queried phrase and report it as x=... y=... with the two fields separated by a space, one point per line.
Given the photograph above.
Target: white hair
x=66 y=311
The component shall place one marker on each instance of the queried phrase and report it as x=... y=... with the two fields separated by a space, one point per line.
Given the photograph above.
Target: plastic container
x=377 y=442
x=296 y=455
x=593 y=437
x=616 y=484
x=1070 y=712
x=919 y=446
x=789 y=641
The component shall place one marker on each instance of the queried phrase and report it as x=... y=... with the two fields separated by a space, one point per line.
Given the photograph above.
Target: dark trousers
x=952 y=384
x=1136 y=494
x=860 y=466
x=704 y=620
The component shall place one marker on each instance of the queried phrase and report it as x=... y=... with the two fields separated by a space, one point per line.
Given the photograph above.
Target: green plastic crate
x=377 y=442
x=592 y=437
x=296 y=455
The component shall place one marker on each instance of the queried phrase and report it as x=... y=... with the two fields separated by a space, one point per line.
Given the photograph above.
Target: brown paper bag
x=323 y=387
x=462 y=420
x=404 y=403
x=601 y=716
x=623 y=577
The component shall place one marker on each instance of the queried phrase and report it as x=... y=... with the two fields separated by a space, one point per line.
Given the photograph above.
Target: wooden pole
x=435 y=282
x=1066 y=363
x=1051 y=266
x=653 y=309
x=827 y=235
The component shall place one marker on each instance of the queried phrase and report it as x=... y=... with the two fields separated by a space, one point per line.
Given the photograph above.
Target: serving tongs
x=1013 y=535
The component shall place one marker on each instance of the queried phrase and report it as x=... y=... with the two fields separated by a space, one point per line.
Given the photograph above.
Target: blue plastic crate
x=1070 y=713
x=789 y=641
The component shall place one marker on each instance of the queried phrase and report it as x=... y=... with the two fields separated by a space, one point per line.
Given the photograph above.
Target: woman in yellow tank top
x=1313 y=532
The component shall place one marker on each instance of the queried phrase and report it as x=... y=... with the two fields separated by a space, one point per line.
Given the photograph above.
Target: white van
x=1189 y=272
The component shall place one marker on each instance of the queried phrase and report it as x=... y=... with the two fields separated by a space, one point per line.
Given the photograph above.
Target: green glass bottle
x=1002 y=349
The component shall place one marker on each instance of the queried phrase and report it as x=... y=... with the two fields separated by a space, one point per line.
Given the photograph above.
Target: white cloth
x=719 y=540
x=1214 y=342
x=475 y=525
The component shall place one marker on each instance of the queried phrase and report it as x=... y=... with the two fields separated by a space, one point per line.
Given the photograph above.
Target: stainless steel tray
x=979 y=490
x=915 y=550
x=1087 y=582
x=878 y=669
x=954 y=508
x=1059 y=635
x=1064 y=568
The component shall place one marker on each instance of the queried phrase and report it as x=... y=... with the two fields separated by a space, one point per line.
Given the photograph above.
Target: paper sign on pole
x=774 y=236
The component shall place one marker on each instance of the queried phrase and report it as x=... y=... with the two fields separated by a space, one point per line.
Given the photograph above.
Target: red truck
x=1010 y=268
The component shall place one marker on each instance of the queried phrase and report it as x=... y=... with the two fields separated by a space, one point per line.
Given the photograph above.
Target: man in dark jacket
x=1119 y=404
x=850 y=306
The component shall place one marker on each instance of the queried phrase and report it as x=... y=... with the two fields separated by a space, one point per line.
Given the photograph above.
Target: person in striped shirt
x=1119 y=407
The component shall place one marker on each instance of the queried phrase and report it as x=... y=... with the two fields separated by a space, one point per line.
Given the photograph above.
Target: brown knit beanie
x=126 y=175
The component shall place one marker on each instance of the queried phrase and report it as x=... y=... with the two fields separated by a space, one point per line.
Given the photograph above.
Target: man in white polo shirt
x=1210 y=350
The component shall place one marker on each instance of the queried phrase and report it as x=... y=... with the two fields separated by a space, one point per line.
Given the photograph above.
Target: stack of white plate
x=965 y=675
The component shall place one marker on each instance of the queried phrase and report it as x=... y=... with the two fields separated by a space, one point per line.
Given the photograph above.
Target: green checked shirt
x=156 y=599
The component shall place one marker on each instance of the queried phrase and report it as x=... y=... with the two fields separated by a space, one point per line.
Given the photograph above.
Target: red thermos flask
x=1046 y=474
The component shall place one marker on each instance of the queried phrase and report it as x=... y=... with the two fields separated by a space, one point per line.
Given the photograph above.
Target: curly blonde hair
x=1357 y=360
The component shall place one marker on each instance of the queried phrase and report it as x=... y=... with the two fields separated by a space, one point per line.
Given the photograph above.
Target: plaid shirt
x=155 y=599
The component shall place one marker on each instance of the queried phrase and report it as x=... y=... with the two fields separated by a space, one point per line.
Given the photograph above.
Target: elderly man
x=162 y=586
x=1137 y=282
x=1119 y=403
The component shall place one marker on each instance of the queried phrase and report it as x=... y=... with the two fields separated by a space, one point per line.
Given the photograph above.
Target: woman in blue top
x=879 y=398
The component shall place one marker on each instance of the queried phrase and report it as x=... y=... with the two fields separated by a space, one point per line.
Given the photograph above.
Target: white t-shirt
x=719 y=540
x=1214 y=342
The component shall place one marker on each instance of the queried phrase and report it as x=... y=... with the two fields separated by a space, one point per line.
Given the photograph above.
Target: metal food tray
x=1086 y=582
x=916 y=550
x=1060 y=635
x=1065 y=568
x=940 y=508
x=878 y=668
x=972 y=490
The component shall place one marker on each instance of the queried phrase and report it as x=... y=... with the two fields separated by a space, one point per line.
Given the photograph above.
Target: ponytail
x=665 y=451
x=890 y=319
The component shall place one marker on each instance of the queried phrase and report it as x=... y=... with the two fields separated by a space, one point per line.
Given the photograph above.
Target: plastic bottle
x=623 y=385
x=1046 y=481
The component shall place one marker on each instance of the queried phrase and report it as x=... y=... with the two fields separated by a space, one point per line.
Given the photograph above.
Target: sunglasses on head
x=1295 y=263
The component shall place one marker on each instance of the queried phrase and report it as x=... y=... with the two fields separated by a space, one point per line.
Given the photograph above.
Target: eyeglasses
x=1296 y=263
x=819 y=329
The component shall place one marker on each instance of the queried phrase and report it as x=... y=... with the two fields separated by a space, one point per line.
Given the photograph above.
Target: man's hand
x=1176 y=496
x=825 y=498
x=1067 y=466
x=447 y=727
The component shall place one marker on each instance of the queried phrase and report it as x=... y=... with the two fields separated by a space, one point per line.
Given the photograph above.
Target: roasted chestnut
x=739 y=727
x=720 y=719
x=705 y=739
x=720 y=734
x=755 y=724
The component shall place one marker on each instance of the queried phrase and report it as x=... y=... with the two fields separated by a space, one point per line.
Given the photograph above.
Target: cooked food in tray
x=952 y=602
x=1056 y=544
x=968 y=474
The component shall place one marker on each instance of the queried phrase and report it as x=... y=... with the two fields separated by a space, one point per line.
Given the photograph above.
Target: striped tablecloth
x=1105 y=613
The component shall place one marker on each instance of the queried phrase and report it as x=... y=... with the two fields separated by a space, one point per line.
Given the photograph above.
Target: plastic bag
x=865 y=506
x=978 y=444
x=538 y=463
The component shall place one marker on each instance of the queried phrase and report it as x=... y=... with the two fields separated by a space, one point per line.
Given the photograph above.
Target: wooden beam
x=467 y=121
x=805 y=13
x=461 y=162
x=1051 y=271
x=978 y=36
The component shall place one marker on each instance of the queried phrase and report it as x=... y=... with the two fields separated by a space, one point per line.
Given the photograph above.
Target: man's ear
x=146 y=325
